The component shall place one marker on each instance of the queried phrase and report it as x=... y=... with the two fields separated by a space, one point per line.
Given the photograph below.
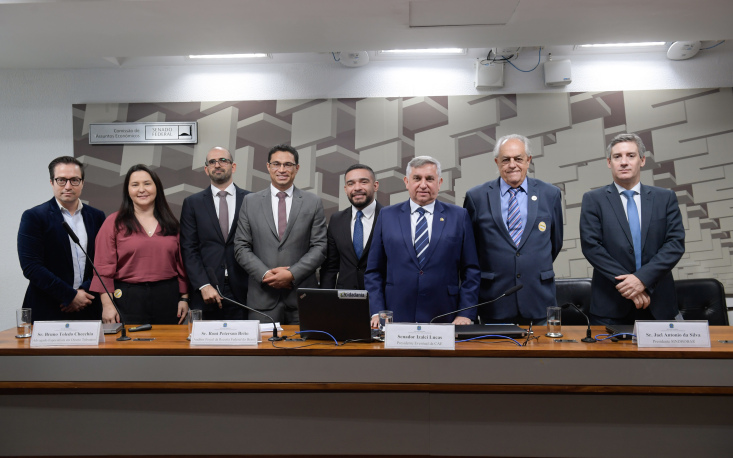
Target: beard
x=220 y=179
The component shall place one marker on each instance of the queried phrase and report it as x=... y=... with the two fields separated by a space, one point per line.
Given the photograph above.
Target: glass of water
x=23 y=321
x=554 y=321
x=193 y=315
x=385 y=317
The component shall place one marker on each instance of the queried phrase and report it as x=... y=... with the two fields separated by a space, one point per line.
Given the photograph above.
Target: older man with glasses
x=58 y=273
x=208 y=225
x=281 y=239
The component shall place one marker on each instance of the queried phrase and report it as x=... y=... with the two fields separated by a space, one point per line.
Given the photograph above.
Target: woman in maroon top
x=138 y=256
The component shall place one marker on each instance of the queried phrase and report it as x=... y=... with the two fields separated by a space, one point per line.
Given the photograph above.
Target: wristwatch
x=183 y=299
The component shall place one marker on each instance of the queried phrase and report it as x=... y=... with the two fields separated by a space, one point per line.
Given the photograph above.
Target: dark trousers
x=229 y=311
x=281 y=314
x=633 y=315
x=148 y=303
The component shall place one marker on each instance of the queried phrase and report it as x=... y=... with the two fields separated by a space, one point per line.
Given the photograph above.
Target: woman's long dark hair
x=126 y=214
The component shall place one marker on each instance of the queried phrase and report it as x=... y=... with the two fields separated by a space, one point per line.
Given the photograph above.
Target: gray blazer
x=258 y=249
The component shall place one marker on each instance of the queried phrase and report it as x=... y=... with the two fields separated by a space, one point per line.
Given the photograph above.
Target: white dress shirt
x=76 y=222
x=637 y=199
x=275 y=200
x=414 y=215
x=231 y=201
x=367 y=221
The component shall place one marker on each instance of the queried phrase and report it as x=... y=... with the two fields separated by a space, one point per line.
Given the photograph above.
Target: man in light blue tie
x=632 y=234
x=422 y=262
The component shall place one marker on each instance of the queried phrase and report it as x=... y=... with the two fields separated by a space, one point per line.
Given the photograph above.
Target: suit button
x=519 y=275
x=421 y=272
x=517 y=254
x=358 y=269
x=631 y=251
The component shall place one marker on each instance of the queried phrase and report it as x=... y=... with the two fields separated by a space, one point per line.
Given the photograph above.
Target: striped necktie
x=421 y=236
x=513 y=218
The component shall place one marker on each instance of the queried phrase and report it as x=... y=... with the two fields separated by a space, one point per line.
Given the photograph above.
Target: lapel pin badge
x=542 y=226
x=534 y=197
x=442 y=219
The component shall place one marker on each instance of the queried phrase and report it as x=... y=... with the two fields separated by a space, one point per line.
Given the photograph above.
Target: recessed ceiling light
x=230 y=56
x=625 y=45
x=424 y=51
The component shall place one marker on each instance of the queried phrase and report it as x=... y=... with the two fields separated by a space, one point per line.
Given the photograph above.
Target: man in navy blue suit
x=208 y=224
x=59 y=274
x=422 y=262
x=518 y=226
x=632 y=234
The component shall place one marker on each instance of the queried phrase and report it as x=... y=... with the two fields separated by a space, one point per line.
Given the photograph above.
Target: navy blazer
x=204 y=249
x=605 y=238
x=450 y=276
x=44 y=250
x=341 y=258
x=504 y=264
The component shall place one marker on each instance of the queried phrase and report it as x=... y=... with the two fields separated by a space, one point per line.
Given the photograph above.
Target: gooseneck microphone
x=508 y=292
x=213 y=281
x=588 y=337
x=75 y=239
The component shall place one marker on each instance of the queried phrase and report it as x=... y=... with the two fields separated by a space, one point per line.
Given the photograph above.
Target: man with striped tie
x=518 y=226
x=422 y=262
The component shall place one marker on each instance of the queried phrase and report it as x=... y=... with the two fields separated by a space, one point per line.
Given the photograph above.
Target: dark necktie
x=282 y=218
x=358 y=235
x=634 y=225
x=223 y=213
x=421 y=236
x=514 y=217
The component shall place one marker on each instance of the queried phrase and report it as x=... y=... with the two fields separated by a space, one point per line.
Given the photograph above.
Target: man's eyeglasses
x=62 y=181
x=277 y=165
x=222 y=161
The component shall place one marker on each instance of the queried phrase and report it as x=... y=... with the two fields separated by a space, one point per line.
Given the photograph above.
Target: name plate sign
x=672 y=334
x=420 y=336
x=237 y=332
x=61 y=333
x=135 y=133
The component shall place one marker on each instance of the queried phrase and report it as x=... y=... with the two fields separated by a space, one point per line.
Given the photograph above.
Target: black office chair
x=576 y=291
x=702 y=299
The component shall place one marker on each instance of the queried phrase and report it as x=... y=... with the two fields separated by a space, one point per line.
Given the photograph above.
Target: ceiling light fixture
x=625 y=45
x=229 y=56
x=433 y=51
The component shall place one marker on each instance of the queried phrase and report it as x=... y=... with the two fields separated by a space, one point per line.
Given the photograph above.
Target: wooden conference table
x=485 y=398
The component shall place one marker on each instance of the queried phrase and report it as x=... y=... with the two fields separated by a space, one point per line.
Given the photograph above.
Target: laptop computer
x=487 y=331
x=342 y=313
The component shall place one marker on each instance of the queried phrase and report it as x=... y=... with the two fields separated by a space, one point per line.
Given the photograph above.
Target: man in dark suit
x=518 y=226
x=632 y=234
x=208 y=225
x=350 y=231
x=280 y=239
x=422 y=262
x=58 y=272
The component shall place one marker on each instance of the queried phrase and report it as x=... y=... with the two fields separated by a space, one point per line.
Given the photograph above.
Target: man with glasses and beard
x=350 y=231
x=280 y=240
x=59 y=274
x=208 y=224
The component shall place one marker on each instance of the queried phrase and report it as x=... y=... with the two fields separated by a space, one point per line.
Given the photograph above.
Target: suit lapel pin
x=534 y=197
x=442 y=219
x=542 y=226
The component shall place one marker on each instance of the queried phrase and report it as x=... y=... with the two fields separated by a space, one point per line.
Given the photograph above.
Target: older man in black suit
x=208 y=224
x=350 y=231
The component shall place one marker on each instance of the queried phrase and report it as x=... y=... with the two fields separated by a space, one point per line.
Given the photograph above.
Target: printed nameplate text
x=420 y=336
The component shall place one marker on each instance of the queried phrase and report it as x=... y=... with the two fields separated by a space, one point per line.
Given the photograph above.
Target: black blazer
x=44 y=250
x=340 y=254
x=204 y=249
x=605 y=238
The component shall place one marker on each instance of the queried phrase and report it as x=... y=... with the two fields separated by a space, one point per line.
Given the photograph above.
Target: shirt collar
x=504 y=186
x=429 y=208
x=367 y=211
x=636 y=189
x=229 y=189
x=274 y=190
x=63 y=209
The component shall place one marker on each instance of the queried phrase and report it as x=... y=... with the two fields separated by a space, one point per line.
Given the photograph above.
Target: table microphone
x=587 y=338
x=75 y=239
x=215 y=284
x=508 y=292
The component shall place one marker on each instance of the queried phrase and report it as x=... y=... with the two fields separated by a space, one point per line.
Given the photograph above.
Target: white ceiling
x=110 y=33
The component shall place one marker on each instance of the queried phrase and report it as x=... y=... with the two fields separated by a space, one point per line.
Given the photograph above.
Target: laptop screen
x=342 y=313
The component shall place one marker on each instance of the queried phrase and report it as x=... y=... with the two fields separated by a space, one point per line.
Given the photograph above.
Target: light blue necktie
x=514 y=217
x=358 y=235
x=634 y=225
x=421 y=236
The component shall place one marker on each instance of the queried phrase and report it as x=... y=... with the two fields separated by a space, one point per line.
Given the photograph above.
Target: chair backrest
x=702 y=299
x=576 y=291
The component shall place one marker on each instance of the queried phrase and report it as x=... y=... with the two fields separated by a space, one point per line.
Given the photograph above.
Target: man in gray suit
x=280 y=239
